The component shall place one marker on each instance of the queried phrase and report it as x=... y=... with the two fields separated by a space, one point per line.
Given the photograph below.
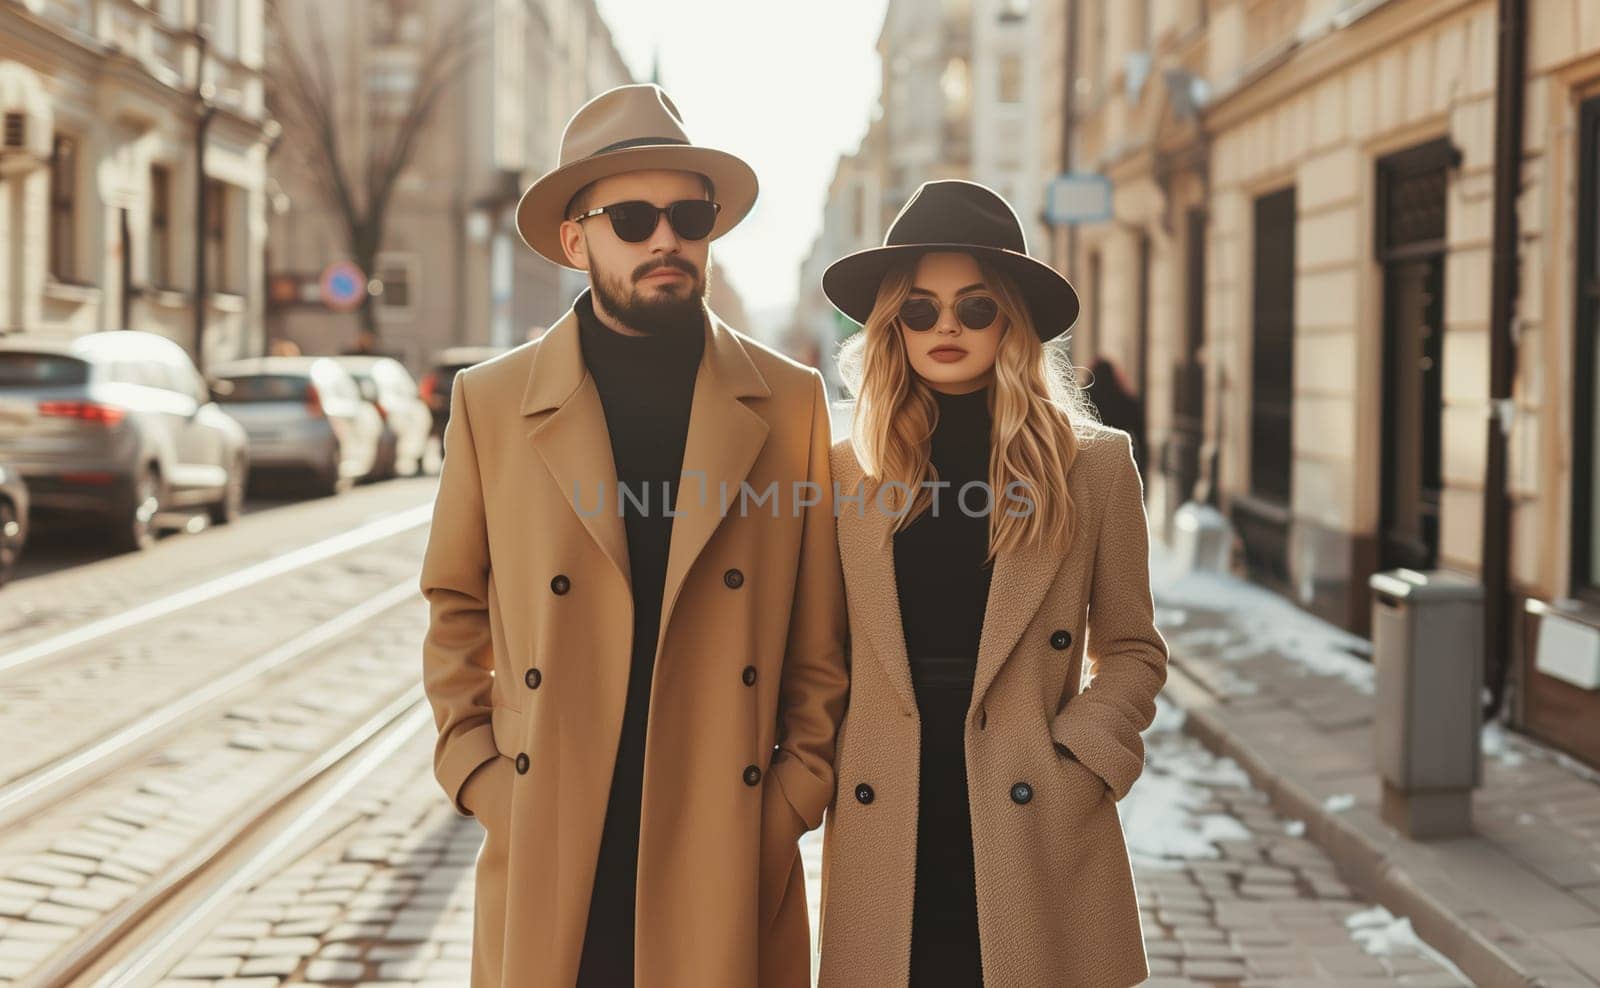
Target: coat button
x=864 y=794
x=1060 y=639
x=1021 y=793
x=522 y=763
x=749 y=675
x=533 y=678
x=560 y=584
x=733 y=578
x=752 y=775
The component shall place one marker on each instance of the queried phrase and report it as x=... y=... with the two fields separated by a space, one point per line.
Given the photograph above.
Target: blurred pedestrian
x=974 y=836
x=638 y=703
x=366 y=344
x=1119 y=402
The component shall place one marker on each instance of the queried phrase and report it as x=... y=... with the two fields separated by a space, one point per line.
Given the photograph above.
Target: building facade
x=958 y=99
x=1300 y=270
x=133 y=170
x=452 y=269
x=855 y=214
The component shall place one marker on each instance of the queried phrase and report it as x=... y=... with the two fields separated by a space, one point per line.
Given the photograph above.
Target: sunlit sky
x=786 y=86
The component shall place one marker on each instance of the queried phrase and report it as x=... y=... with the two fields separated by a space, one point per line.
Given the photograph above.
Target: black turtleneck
x=646 y=386
x=940 y=574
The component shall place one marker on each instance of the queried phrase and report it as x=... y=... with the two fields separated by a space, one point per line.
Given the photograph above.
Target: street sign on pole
x=343 y=286
x=1078 y=197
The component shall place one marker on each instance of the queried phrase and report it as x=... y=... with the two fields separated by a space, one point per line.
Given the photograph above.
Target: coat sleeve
x=457 y=651
x=814 y=684
x=1125 y=654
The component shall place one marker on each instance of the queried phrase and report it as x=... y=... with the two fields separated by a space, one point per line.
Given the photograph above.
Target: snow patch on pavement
x=1168 y=817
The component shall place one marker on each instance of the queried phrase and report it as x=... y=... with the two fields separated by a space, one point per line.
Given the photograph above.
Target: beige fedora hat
x=627 y=129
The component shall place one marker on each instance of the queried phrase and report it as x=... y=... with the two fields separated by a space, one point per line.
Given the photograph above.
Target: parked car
x=118 y=426
x=407 y=420
x=436 y=384
x=303 y=415
x=13 y=519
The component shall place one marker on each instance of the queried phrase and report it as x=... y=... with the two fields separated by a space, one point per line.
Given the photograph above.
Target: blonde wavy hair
x=1035 y=402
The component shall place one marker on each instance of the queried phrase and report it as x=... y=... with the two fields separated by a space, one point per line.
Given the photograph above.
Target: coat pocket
x=781 y=830
x=1079 y=777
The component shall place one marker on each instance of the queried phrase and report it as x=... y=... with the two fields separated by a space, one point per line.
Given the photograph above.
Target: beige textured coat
x=528 y=672
x=1056 y=902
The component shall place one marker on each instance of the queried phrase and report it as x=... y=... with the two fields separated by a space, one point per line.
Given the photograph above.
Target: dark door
x=1262 y=516
x=1411 y=236
x=1188 y=373
x=125 y=299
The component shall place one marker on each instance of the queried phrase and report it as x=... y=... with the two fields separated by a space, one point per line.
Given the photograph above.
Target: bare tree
x=303 y=94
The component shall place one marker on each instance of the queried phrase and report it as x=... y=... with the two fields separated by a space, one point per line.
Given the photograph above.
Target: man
x=639 y=708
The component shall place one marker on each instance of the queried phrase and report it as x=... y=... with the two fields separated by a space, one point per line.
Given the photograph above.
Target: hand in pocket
x=481 y=793
x=781 y=829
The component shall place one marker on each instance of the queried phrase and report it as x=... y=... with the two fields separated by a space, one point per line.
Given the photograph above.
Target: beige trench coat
x=526 y=660
x=1056 y=901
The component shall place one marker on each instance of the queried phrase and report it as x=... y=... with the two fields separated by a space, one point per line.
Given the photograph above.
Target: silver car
x=118 y=426
x=13 y=519
x=303 y=415
x=407 y=420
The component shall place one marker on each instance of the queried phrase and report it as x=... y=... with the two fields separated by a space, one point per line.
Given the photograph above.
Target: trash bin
x=1427 y=647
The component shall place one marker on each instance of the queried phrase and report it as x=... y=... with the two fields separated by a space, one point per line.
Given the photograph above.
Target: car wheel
x=386 y=462
x=231 y=504
x=134 y=528
x=330 y=479
x=10 y=540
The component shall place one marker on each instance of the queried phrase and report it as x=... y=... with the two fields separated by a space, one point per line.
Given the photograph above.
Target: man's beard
x=664 y=314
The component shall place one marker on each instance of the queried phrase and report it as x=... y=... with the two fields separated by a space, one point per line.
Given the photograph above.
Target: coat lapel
x=725 y=437
x=1021 y=579
x=869 y=566
x=573 y=441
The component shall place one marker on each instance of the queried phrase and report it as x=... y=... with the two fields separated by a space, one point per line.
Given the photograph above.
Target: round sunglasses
x=635 y=220
x=974 y=311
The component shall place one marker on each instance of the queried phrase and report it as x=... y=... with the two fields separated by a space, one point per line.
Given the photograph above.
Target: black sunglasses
x=635 y=220
x=975 y=312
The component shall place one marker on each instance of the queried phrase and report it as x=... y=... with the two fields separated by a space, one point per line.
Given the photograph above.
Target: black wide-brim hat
x=960 y=216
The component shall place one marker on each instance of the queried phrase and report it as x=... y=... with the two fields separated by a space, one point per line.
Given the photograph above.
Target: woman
x=974 y=836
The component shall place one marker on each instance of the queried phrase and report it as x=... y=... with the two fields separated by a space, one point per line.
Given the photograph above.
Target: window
x=253 y=388
x=397 y=273
x=956 y=86
x=397 y=22
x=22 y=369
x=218 y=273
x=221 y=19
x=389 y=90
x=160 y=273
x=16 y=133
x=63 y=208
x=1099 y=55
x=1011 y=78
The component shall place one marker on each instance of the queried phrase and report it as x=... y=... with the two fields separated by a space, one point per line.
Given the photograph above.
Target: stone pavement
x=1230 y=891
x=1291 y=699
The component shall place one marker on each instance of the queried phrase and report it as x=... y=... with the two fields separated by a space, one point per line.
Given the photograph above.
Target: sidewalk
x=1290 y=698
